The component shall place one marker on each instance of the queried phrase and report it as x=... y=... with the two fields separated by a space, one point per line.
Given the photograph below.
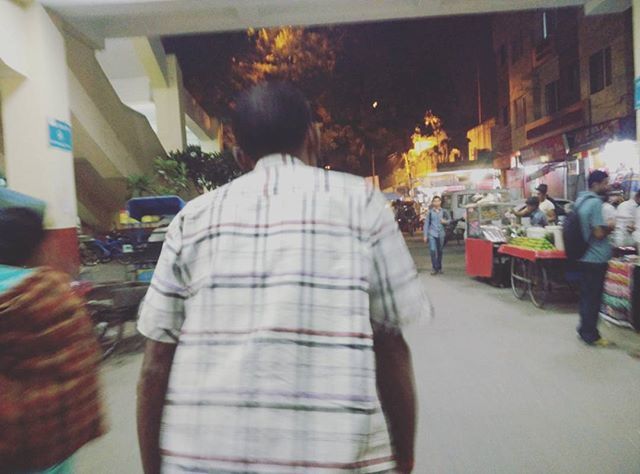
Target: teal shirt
x=11 y=276
x=590 y=213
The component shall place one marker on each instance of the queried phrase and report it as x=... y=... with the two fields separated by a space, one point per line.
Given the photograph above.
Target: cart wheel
x=88 y=257
x=539 y=285
x=109 y=334
x=125 y=258
x=519 y=275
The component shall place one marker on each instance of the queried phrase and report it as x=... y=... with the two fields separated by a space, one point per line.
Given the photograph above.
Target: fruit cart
x=537 y=268
x=485 y=232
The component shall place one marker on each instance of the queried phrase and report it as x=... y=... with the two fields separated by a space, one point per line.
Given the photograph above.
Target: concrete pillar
x=37 y=134
x=170 y=108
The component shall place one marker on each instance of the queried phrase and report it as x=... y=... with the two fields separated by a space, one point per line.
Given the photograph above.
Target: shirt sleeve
x=397 y=296
x=162 y=310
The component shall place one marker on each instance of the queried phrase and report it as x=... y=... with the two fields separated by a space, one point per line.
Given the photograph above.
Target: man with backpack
x=592 y=251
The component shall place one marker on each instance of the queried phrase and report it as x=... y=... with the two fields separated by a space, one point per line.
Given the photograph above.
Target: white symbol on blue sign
x=60 y=135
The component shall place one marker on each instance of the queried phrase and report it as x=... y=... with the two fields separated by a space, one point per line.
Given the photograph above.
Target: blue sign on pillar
x=637 y=93
x=60 y=135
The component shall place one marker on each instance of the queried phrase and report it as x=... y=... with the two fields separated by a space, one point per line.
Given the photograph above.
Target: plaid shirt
x=272 y=287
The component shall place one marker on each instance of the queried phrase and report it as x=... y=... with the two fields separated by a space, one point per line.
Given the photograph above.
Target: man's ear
x=242 y=160
x=312 y=144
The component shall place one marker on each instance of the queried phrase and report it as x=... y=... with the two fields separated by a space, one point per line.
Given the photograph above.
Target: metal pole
x=479 y=92
x=373 y=164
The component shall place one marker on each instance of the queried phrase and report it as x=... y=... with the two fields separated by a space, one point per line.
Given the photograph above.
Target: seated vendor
x=536 y=215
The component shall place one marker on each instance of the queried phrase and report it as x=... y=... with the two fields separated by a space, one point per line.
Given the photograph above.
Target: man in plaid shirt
x=275 y=315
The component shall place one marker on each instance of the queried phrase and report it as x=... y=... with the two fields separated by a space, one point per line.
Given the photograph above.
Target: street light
x=375 y=104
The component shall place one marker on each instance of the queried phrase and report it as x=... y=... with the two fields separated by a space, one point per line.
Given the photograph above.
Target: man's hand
x=425 y=239
x=152 y=390
x=394 y=376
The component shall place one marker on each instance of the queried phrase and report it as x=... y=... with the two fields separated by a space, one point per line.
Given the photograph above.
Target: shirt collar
x=278 y=159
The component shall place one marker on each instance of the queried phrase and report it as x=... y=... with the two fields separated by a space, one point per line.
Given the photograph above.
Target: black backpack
x=574 y=243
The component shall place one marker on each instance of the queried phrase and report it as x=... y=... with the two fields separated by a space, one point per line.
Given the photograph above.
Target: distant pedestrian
x=435 y=234
x=593 y=264
x=537 y=217
x=49 y=395
x=547 y=205
x=609 y=208
x=626 y=221
x=275 y=316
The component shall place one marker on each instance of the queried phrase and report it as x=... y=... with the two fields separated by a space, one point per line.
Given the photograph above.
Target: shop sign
x=502 y=163
x=544 y=170
x=592 y=137
x=573 y=168
x=549 y=149
x=60 y=135
x=637 y=94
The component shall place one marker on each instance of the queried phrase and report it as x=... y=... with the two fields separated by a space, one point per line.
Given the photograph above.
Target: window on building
x=600 y=70
x=517 y=47
x=503 y=55
x=520 y=111
x=549 y=23
x=551 y=97
x=573 y=84
x=505 y=115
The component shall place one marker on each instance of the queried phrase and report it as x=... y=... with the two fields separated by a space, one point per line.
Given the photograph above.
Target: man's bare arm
x=152 y=390
x=601 y=232
x=394 y=376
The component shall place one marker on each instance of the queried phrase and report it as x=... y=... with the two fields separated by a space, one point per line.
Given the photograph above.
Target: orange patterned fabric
x=50 y=403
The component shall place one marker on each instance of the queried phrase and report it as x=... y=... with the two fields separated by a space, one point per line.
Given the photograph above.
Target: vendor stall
x=621 y=297
x=487 y=226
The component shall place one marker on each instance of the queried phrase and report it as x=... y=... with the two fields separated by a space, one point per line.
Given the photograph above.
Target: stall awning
x=154 y=206
x=594 y=136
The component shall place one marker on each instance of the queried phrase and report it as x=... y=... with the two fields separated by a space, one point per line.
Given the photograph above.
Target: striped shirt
x=272 y=287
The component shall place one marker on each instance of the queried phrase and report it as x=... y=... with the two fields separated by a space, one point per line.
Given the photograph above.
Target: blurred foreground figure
x=275 y=316
x=49 y=395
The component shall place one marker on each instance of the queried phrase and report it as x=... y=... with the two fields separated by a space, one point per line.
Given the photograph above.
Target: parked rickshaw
x=113 y=304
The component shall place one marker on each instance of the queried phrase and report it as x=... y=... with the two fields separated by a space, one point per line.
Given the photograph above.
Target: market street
x=503 y=387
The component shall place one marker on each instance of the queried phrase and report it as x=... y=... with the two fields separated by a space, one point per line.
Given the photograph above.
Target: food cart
x=487 y=228
x=536 y=269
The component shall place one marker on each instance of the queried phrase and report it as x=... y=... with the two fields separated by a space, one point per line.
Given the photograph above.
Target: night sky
x=408 y=66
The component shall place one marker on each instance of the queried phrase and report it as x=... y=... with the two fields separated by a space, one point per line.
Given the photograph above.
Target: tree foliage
x=185 y=174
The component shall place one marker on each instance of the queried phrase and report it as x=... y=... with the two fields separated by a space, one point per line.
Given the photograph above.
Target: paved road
x=504 y=388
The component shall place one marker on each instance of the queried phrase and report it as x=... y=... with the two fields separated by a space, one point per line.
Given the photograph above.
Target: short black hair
x=597 y=177
x=271 y=117
x=436 y=197
x=533 y=201
x=21 y=232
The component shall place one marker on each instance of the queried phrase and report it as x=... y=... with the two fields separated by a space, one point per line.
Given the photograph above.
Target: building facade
x=565 y=92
